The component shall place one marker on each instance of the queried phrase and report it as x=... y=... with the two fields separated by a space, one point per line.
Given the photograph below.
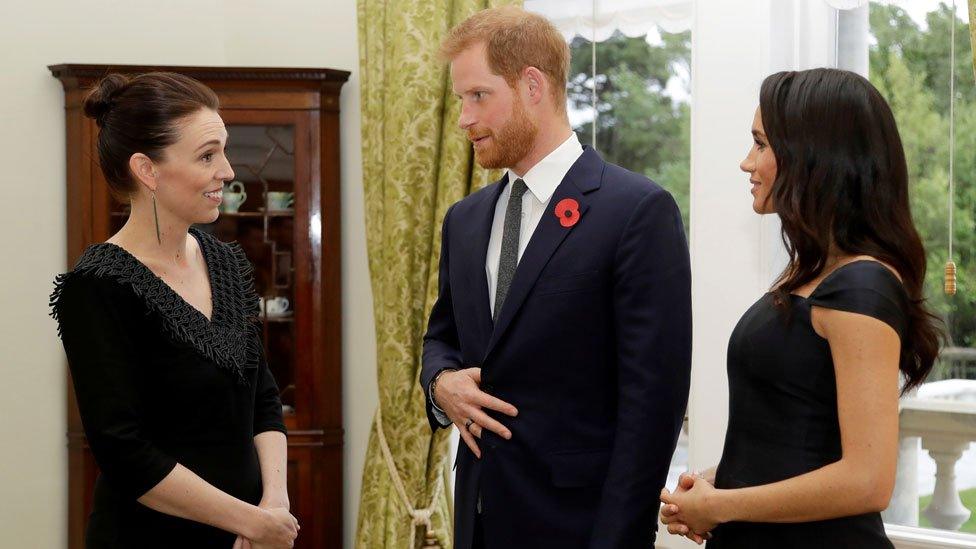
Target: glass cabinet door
x=258 y=211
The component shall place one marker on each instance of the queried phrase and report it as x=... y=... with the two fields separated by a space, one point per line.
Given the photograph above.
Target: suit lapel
x=475 y=241
x=584 y=177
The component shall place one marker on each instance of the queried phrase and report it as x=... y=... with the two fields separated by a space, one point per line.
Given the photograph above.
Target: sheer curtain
x=601 y=18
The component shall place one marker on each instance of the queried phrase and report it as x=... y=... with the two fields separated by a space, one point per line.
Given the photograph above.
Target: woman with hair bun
x=159 y=324
x=816 y=365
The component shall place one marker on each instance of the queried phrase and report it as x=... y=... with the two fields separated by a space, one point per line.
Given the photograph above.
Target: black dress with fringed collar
x=158 y=383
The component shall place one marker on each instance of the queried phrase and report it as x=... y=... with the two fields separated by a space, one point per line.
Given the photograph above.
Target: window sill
x=908 y=537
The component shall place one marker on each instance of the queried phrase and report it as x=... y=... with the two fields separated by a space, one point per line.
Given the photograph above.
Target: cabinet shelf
x=272 y=213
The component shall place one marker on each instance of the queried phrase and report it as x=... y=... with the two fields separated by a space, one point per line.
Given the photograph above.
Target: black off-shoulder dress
x=783 y=405
x=157 y=384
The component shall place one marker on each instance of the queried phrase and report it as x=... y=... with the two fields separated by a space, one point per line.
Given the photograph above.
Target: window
x=909 y=62
x=642 y=109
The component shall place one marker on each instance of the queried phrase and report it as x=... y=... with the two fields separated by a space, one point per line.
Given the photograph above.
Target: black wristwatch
x=433 y=385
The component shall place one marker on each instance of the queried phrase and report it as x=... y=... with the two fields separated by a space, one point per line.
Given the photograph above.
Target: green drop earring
x=159 y=238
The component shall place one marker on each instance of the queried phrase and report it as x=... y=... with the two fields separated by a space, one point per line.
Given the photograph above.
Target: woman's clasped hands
x=690 y=510
x=275 y=528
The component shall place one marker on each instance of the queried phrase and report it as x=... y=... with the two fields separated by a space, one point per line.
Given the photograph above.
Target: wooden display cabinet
x=283 y=127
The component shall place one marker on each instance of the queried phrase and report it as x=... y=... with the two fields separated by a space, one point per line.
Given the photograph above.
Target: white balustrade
x=943 y=417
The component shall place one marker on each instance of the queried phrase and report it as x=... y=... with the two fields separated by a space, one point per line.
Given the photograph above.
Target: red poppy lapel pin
x=568 y=212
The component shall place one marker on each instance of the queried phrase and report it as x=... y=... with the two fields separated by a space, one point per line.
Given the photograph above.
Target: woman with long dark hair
x=812 y=440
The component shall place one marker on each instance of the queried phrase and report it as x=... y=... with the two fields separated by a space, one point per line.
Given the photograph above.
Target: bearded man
x=560 y=342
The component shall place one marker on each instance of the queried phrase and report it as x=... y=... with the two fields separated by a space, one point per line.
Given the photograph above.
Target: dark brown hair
x=842 y=179
x=141 y=114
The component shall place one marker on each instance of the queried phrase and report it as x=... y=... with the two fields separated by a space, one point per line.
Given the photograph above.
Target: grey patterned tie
x=510 y=245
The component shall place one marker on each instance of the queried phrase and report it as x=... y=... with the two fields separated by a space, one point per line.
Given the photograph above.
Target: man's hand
x=459 y=394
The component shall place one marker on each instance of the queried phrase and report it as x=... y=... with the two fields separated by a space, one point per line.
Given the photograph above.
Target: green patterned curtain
x=416 y=163
x=972 y=30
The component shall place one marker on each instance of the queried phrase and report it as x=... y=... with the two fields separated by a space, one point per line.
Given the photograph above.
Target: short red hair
x=514 y=39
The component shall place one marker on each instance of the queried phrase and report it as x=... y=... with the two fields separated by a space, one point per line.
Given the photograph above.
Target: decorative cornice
x=323 y=76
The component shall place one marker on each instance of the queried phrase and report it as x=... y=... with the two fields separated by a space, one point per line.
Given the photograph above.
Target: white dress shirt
x=542 y=180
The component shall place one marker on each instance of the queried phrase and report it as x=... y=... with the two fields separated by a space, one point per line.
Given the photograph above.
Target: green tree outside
x=647 y=131
x=638 y=126
x=910 y=67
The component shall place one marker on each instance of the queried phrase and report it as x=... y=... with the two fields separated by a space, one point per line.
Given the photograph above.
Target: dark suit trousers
x=479 y=533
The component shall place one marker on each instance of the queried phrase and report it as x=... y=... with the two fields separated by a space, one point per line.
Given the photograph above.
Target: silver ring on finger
x=467 y=424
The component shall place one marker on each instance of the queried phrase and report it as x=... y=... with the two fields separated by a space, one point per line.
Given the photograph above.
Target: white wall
x=299 y=33
x=726 y=251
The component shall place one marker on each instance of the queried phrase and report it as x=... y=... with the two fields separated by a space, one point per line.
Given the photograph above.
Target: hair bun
x=100 y=99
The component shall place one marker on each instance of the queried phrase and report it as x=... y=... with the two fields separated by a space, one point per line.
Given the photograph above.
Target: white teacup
x=279 y=200
x=234 y=196
x=275 y=306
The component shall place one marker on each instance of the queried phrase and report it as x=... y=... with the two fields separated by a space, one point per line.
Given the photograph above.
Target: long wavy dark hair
x=842 y=181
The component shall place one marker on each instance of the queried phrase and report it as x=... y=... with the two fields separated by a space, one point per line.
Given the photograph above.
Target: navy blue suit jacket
x=592 y=345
